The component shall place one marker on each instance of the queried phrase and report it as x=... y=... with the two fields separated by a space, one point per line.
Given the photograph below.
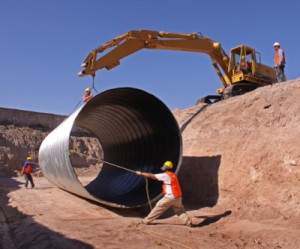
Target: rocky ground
x=240 y=177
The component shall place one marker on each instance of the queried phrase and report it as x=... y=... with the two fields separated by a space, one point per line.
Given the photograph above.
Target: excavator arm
x=134 y=41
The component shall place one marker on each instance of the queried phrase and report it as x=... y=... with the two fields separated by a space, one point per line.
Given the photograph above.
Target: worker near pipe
x=172 y=195
x=26 y=171
x=87 y=96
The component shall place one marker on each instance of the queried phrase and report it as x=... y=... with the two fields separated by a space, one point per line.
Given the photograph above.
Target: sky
x=43 y=44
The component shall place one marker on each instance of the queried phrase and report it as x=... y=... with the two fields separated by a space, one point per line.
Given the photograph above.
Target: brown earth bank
x=240 y=177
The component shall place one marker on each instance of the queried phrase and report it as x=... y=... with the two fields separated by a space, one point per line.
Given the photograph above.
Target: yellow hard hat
x=29 y=158
x=168 y=164
x=87 y=89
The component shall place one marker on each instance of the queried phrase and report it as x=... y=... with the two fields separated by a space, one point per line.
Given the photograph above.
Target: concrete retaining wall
x=29 y=118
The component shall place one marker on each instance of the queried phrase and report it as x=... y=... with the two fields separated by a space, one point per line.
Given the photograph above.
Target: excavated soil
x=240 y=176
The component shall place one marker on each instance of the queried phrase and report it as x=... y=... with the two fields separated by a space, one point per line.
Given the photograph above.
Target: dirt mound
x=240 y=176
x=245 y=151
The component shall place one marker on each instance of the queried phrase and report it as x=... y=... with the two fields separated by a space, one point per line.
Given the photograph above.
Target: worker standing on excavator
x=279 y=62
x=172 y=195
x=87 y=96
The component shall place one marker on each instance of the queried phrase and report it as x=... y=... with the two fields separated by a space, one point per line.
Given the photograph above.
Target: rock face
x=22 y=132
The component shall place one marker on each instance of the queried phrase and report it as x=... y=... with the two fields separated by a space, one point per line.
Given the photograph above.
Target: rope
x=172 y=241
x=80 y=102
x=120 y=167
x=147 y=192
x=112 y=164
x=75 y=107
x=148 y=197
x=93 y=84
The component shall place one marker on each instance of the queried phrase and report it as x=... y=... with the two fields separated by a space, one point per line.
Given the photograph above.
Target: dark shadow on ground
x=207 y=220
x=211 y=219
x=18 y=231
x=137 y=212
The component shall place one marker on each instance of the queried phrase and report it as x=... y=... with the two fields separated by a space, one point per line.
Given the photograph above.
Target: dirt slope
x=252 y=142
x=240 y=175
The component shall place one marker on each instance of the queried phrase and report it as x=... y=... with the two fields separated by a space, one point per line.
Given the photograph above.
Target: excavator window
x=257 y=57
x=234 y=61
x=249 y=58
x=241 y=59
x=237 y=61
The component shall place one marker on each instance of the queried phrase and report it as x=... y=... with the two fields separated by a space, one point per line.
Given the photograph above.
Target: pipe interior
x=136 y=131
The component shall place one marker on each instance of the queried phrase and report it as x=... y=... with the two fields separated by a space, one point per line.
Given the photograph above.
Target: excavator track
x=231 y=91
x=238 y=89
x=209 y=99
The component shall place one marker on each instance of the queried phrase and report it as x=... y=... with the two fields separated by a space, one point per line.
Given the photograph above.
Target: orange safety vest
x=27 y=169
x=277 y=57
x=244 y=64
x=174 y=185
x=86 y=97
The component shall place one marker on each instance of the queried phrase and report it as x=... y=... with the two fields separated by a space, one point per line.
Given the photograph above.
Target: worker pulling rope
x=172 y=241
x=120 y=167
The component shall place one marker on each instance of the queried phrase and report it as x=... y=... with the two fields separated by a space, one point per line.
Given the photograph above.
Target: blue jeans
x=280 y=74
x=28 y=177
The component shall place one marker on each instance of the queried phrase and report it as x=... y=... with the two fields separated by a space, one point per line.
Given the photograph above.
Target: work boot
x=144 y=222
x=141 y=223
x=189 y=223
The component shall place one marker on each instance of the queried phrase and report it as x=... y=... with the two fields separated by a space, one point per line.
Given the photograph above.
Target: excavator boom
x=241 y=72
x=134 y=41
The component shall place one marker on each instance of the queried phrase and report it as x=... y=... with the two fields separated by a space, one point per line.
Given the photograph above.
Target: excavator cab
x=245 y=65
x=248 y=73
x=242 y=59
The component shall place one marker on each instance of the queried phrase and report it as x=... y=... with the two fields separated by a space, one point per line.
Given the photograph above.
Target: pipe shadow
x=198 y=177
x=18 y=230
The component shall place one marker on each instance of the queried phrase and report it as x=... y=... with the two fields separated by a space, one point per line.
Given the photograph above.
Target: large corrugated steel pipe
x=136 y=131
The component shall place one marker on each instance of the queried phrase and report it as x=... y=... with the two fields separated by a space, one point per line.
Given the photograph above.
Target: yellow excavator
x=240 y=73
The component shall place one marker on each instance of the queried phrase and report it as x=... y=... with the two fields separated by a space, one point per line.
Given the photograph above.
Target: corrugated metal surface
x=135 y=129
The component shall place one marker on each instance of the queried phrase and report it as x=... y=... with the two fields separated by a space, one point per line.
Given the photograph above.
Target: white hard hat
x=276 y=44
